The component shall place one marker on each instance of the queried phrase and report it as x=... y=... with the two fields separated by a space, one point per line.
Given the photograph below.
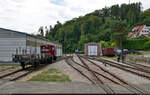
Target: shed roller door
x=92 y=50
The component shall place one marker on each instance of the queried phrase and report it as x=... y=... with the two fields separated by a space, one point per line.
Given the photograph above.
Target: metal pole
x=101 y=49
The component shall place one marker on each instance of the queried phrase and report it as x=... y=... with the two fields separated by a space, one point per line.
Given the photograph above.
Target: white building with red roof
x=138 y=31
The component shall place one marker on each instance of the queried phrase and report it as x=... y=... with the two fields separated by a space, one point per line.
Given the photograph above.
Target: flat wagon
x=47 y=56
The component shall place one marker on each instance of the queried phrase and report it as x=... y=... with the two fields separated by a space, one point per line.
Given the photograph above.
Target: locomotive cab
x=48 y=50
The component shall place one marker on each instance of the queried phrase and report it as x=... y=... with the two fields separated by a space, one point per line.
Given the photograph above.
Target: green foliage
x=107 y=44
x=119 y=32
x=41 y=31
x=113 y=44
x=145 y=17
x=107 y=24
x=136 y=43
x=147 y=45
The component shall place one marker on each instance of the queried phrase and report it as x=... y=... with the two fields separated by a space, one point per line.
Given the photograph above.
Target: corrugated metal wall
x=30 y=45
x=9 y=42
x=58 y=51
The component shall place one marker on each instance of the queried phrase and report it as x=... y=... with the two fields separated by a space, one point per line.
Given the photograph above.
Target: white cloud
x=29 y=15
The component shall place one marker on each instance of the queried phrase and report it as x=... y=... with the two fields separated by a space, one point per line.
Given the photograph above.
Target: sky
x=28 y=15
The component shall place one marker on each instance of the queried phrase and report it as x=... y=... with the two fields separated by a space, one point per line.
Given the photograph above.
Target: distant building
x=92 y=49
x=138 y=31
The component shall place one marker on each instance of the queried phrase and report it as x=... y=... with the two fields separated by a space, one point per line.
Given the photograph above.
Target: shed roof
x=92 y=43
x=30 y=35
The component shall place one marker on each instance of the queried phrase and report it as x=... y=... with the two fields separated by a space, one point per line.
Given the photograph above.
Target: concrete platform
x=65 y=87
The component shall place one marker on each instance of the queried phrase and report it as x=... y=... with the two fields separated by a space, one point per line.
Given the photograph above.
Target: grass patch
x=131 y=54
x=4 y=67
x=51 y=75
x=9 y=64
x=60 y=57
x=2 y=70
x=82 y=54
x=112 y=58
x=145 y=52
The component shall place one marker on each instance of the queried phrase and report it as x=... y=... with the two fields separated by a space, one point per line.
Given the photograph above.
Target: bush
x=135 y=43
x=147 y=46
x=105 y=44
x=113 y=44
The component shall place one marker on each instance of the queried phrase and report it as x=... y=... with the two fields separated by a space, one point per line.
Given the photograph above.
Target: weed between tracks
x=4 y=67
x=51 y=75
x=112 y=58
x=9 y=64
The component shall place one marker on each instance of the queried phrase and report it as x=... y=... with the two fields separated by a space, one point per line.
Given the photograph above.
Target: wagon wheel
x=23 y=65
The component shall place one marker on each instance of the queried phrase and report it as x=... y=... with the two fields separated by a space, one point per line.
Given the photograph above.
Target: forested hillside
x=97 y=26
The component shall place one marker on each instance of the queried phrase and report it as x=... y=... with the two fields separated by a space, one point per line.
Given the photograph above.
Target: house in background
x=138 y=31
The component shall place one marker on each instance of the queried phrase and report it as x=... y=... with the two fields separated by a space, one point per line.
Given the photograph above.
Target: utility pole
x=129 y=1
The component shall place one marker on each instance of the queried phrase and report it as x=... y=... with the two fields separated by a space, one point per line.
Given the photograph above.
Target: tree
x=115 y=11
x=83 y=40
x=41 y=31
x=97 y=26
x=145 y=17
x=119 y=32
x=46 y=32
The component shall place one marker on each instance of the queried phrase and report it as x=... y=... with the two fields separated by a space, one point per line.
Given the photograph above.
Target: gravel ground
x=64 y=88
x=131 y=78
x=73 y=74
x=77 y=77
x=63 y=67
x=145 y=64
x=95 y=68
x=29 y=76
x=50 y=88
x=105 y=80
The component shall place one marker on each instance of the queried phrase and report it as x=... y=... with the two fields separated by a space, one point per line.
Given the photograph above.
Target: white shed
x=12 y=42
x=92 y=49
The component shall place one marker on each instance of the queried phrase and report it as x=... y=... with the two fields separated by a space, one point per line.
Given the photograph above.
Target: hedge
x=136 y=43
x=147 y=45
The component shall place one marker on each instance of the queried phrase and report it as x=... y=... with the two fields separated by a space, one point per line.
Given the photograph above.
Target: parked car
x=134 y=52
x=81 y=52
x=126 y=51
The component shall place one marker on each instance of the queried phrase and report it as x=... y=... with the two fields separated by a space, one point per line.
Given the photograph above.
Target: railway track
x=72 y=63
x=20 y=73
x=96 y=77
x=15 y=75
x=117 y=78
x=122 y=82
x=140 y=66
x=133 y=70
x=133 y=66
x=9 y=72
